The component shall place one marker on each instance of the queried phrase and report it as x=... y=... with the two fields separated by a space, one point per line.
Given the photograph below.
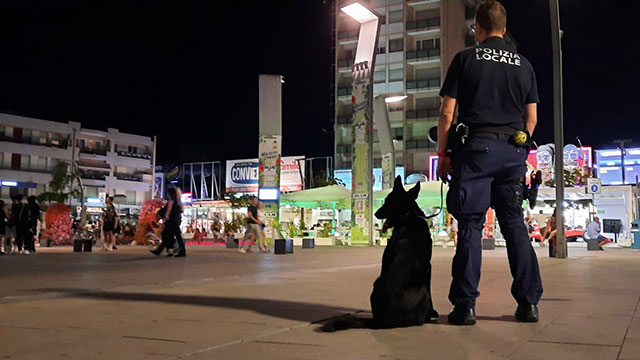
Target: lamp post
x=558 y=127
x=362 y=124
x=381 y=120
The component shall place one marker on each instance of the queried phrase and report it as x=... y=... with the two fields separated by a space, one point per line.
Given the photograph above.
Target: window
x=428 y=44
x=379 y=76
x=41 y=163
x=24 y=162
x=397 y=133
x=90 y=191
x=396 y=16
x=395 y=45
x=396 y=74
x=131 y=197
x=8 y=131
x=381 y=50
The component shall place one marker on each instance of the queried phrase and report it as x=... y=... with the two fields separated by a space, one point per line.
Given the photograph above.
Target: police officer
x=495 y=91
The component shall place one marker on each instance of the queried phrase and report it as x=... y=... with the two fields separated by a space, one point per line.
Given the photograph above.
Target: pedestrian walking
x=21 y=219
x=109 y=222
x=495 y=91
x=253 y=226
x=3 y=228
x=170 y=214
x=34 y=217
x=262 y=245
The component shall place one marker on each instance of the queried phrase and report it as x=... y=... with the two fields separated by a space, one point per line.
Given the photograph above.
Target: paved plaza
x=219 y=304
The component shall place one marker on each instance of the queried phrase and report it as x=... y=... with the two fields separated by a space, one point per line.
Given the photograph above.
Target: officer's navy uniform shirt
x=492 y=85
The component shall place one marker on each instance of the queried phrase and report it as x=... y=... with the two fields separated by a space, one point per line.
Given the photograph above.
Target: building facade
x=417 y=41
x=107 y=162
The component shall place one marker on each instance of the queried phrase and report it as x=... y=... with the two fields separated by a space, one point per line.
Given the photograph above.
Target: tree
x=61 y=180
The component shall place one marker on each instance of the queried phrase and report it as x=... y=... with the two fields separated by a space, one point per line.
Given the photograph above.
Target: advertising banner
x=269 y=179
x=243 y=175
x=158 y=186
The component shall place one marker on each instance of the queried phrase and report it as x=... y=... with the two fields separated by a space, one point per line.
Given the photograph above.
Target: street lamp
x=362 y=125
x=381 y=120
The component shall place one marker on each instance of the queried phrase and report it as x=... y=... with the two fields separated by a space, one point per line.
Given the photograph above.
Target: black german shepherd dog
x=402 y=294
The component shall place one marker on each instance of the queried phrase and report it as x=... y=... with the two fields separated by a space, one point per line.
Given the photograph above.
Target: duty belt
x=506 y=130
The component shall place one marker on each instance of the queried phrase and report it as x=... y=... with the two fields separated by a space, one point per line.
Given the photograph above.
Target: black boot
x=527 y=313
x=461 y=316
x=157 y=251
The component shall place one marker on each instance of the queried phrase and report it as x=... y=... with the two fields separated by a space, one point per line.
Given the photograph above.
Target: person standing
x=262 y=245
x=3 y=228
x=253 y=226
x=495 y=91
x=197 y=236
x=453 y=227
x=170 y=215
x=20 y=216
x=109 y=223
x=593 y=232
x=34 y=216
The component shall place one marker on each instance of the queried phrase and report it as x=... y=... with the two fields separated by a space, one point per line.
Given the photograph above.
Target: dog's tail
x=346 y=322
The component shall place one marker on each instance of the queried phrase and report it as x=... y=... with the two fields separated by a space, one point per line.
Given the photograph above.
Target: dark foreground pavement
x=219 y=304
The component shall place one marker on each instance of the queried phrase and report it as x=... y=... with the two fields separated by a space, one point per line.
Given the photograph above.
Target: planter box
x=231 y=243
x=325 y=241
x=308 y=243
x=88 y=245
x=488 y=244
x=77 y=245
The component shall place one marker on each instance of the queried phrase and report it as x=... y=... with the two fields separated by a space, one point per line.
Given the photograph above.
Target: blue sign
x=344 y=175
x=245 y=173
x=608 y=166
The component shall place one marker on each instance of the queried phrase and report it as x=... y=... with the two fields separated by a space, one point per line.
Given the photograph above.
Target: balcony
x=422 y=27
x=134 y=155
x=129 y=177
x=343 y=120
x=93 y=175
x=98 y=152
x=422 y=114
x=423 y=86
x=343 y=149
x=345 y=65
x=421 y=57
x=344 y=94
x=57 y=143
x=348 y=37
x=419 y=144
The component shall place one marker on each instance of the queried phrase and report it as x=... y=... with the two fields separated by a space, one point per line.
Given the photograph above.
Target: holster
x=458 y=134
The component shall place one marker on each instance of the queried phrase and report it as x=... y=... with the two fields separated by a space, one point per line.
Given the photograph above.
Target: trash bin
x=635 y=230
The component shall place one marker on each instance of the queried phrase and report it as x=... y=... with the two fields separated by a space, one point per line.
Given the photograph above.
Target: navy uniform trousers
x=486 y=170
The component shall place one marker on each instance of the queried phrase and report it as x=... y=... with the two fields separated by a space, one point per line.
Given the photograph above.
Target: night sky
x=188 y=71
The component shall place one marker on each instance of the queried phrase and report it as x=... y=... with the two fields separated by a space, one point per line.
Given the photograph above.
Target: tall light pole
x=362 y=124
x=381 y=120
x=558 y=127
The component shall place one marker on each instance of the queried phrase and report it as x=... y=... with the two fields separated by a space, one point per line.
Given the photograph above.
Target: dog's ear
x=397 y=185
x=413 y=193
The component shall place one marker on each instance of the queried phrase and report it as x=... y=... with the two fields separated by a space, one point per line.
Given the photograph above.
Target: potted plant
x=323 y=237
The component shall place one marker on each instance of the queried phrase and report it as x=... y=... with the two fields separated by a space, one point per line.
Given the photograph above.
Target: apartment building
x=417 y=41
x=107 y=162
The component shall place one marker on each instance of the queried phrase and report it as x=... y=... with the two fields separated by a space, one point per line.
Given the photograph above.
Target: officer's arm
x=530 y=117
x=447 y=109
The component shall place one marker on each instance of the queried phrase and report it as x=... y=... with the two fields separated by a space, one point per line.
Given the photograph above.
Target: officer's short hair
x=491 y=15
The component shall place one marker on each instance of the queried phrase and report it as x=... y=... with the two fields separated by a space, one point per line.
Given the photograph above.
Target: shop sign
x=243 y=175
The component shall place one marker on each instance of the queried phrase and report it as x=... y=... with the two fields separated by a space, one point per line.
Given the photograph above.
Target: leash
x=441 y=202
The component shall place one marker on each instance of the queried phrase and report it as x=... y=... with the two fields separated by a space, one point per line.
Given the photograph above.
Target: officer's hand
x=444 y=168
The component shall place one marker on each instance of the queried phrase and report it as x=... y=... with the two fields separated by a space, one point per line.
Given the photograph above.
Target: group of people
x=549 y=231
x=19 y=225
